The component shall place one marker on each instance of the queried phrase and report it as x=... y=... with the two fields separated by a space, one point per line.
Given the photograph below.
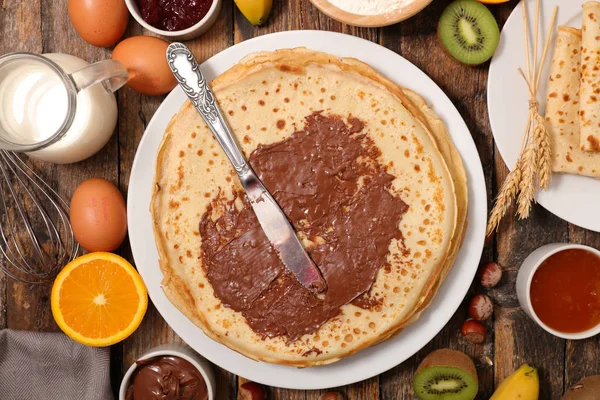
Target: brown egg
x=98 y=215
x=146 y=61
x=99 y=22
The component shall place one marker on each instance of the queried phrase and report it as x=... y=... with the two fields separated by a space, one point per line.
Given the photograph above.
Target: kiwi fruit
x=586 y=389
x=446 y=375
x=469 y=32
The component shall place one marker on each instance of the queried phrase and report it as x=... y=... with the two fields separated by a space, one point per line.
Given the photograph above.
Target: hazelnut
x=332 y=396
x=251 y=391
x=474 y=331
x=490 y=274
x=481 y=307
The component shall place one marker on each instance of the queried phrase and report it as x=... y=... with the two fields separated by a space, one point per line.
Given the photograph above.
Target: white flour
x=370 y=7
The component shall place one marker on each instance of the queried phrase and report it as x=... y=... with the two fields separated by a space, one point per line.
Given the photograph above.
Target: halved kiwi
x=469 y=32
x=446 y=375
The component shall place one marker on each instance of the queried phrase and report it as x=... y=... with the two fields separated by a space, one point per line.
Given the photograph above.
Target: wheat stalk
x=535 y=40
x=545 y=52
x=526 y=34
x=544 y=161
x=506 y=195
x=528 y=182
x=533 y=166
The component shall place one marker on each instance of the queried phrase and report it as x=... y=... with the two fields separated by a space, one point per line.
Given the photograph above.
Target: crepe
x=589 y=92
x=266 y=98
x=562 y=108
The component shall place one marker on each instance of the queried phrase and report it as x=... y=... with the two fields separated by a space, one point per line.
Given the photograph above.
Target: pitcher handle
x=112 y=73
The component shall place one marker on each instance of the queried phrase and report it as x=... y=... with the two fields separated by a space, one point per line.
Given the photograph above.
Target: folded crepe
x=562 y=107
x=590 y=67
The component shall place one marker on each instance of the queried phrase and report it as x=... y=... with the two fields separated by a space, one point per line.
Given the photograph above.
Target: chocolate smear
x=328 y=181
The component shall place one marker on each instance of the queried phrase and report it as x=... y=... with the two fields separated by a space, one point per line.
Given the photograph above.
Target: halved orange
x=99 y=299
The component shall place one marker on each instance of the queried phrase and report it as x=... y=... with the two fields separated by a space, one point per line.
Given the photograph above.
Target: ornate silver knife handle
x=187 y=72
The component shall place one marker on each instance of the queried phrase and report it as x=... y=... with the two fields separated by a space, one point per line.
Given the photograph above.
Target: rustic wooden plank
x=157 y=332
x=59 y=36
x=285 y=394
x=135 y=113
x=130 y=128
x=20 y=24
x=581 y=360
x=15 y=19
x=518 y=338
x=27 y=305
x=581 y=356
x=416 y=40
x=523 y=341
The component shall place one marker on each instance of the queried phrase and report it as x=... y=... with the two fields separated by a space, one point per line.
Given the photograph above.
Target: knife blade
x=273 y=221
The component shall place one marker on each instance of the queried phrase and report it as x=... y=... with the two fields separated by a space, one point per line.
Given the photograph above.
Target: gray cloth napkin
x=50 y=366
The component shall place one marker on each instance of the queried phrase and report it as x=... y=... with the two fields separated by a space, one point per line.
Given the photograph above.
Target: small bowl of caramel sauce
x=558 y=286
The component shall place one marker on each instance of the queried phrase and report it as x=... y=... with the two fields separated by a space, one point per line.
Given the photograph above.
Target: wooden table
x=42 y=26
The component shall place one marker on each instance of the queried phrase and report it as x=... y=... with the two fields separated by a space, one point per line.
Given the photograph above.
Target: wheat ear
x=506 y=195
x=542 y=140
x=528 y=180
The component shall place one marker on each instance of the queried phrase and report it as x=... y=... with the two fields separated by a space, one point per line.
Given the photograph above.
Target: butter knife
x=273 y=221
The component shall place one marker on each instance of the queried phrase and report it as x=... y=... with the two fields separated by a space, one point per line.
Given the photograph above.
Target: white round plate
x=366 y=363
x=571 y=197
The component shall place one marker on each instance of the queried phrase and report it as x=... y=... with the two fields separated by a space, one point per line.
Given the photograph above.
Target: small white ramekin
x=186 y=34
x=525 y=277
x=176 y=350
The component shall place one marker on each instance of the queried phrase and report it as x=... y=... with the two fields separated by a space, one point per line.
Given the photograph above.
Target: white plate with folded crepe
x=574 y=192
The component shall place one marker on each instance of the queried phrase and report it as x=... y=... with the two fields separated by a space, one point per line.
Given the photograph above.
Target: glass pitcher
x=39 y=100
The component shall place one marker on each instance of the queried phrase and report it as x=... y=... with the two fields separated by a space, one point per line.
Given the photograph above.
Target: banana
x=255 y=11
x=523 y=384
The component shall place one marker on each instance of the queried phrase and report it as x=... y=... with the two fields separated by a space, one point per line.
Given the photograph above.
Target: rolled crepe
x=589 y=92
x=562 y=106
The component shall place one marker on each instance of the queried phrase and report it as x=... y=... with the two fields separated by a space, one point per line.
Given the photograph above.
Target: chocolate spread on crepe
x=329 y=183
x=166 y=378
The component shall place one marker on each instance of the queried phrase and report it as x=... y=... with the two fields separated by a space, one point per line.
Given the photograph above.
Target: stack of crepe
x=267 y=99
x=572 y=108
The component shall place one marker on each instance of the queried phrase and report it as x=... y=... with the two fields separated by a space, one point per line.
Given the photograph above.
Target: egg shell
x=99 y=22
x=98 y=215
x=146 y=61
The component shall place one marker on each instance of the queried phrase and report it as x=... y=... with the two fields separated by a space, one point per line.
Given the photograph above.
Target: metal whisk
x=36 y=239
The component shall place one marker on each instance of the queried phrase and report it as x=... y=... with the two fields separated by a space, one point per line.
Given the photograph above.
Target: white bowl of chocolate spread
x=169 y=371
